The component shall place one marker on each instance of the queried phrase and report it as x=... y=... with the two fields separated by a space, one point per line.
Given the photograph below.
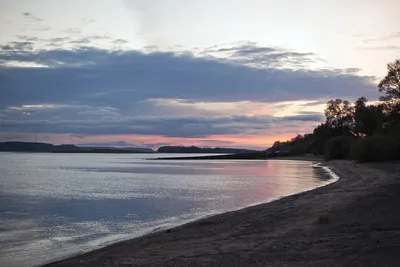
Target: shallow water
x=56 y=205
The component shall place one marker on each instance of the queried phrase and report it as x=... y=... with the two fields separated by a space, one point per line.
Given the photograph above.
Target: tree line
x=195 y=149
x=357 y=130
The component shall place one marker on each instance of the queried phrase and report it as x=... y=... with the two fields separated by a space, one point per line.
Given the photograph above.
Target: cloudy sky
x=232 y=73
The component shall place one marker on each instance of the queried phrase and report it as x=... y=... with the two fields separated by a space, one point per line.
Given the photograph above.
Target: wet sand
x=352 y=222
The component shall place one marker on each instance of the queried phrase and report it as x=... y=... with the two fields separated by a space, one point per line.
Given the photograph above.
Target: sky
x=148 y=73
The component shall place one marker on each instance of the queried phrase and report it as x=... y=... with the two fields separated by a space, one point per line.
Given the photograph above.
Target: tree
x=368 y=119
x=361 y=103
x=390 y=85
x=276 y=144
x=360 y=116
x=298 y=138
x=339 y=115
x=321 y=134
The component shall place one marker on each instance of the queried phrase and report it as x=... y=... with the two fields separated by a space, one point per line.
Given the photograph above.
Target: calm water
x=55 y=205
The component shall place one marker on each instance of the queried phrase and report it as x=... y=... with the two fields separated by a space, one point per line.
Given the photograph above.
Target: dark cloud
x=89 y=91
x=257 y=56
x=81 y=41
x=245 y=50
x=59 y=39
x=314 y=103
x=59 y=42
x=312 y=116
x=121 y=78
x=49 y=43
x=84 y=120
x=17 y=46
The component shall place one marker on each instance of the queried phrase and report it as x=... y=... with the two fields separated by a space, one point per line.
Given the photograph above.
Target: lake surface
x=56 y=205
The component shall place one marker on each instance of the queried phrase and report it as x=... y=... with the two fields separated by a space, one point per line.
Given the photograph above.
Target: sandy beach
x=352 y=222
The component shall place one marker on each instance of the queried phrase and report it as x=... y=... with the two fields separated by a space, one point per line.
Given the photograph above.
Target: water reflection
x=55 y=205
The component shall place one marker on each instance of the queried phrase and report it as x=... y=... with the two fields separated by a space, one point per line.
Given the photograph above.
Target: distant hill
x=44 y=147
x=194 y=149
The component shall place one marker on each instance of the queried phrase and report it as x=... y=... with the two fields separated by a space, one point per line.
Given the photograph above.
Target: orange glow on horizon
x=244 y=141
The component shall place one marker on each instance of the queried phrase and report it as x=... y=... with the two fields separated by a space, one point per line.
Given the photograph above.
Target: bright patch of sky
x=361 y=34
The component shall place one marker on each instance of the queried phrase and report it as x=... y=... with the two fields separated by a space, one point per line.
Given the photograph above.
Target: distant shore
x=243 y=156
x=352 y=222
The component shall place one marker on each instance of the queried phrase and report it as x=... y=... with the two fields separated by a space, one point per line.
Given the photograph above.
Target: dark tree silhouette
x=368 y=119
x=390 y=85
x=358 y=131
x=339 y=114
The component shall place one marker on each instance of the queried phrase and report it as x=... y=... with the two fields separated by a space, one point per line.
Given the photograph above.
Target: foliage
x=339 y=115
x=321 y=135
x=376 y=148
x=338 y=147
x=390 y=85
x=368 y=119
x=360 y=131
x=299 y=145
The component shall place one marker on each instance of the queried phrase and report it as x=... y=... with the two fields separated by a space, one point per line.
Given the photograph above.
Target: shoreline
x=171 y=227
x=246 y=236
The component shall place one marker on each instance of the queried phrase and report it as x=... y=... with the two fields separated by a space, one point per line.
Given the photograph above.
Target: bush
x=338 y=147
x=376 y=148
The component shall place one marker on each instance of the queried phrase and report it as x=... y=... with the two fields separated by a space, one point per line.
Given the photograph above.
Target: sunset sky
x=147 y=73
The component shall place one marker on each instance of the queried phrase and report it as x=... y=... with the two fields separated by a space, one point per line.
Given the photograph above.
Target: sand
x=352 y=222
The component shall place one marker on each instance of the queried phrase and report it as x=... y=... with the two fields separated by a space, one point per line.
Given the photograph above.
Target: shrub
x=376 y=148
x=338 y=147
